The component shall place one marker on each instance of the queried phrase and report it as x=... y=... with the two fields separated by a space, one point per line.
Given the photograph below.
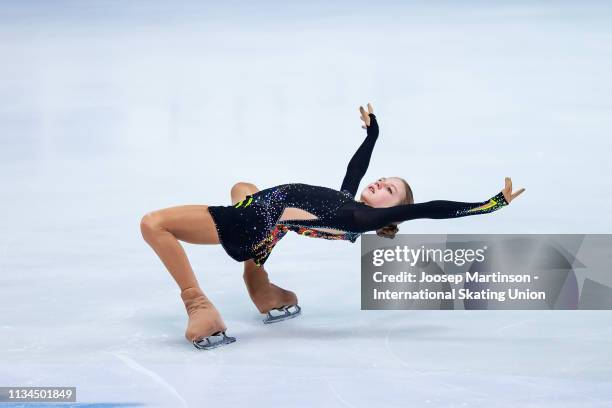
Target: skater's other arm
x=369 y=218
x=358 y=165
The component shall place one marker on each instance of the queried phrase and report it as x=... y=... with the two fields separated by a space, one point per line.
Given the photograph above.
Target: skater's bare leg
x=264 y=294
x=162 y=230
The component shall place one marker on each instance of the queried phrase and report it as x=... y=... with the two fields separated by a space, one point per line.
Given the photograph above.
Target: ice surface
x=110 y=110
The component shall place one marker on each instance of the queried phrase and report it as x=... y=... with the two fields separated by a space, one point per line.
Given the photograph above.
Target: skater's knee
x=241 y=189
x=242 y=186
x=149 y=224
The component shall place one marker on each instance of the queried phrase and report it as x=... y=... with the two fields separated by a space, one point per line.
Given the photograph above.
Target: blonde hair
x=390 y=230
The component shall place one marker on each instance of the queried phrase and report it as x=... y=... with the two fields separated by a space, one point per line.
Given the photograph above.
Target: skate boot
x=205 y=328
x=287 y=305
x=277 y=303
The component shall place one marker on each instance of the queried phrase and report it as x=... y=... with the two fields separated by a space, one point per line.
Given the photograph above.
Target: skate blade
x=288 y=312
x=213 y=341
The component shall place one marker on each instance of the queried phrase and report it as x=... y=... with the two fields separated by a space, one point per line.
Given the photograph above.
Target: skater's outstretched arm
x=367 y=218
x=358 y=165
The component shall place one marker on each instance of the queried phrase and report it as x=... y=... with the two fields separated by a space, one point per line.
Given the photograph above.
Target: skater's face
x=384 y=192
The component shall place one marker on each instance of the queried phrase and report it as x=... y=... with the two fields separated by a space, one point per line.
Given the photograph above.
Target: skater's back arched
x=249 y=229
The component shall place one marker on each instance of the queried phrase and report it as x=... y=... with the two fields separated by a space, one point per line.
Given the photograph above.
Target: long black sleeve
x=366 y=218
x=358 y=165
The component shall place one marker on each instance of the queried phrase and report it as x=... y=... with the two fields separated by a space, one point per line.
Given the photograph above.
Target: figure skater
x=249 y=229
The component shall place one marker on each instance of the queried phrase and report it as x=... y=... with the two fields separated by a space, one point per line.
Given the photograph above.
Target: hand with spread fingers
x=507 y=191
x=365 y=115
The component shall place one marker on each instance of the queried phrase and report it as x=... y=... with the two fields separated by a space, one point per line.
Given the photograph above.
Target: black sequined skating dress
x=251 y=228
